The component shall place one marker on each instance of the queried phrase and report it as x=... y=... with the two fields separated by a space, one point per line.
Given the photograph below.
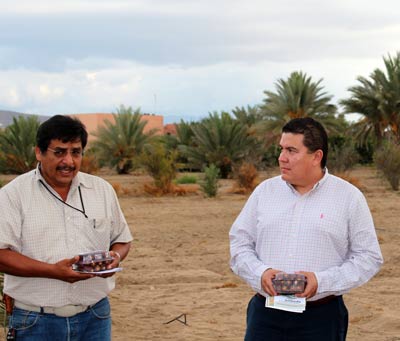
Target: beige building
x=96 y=120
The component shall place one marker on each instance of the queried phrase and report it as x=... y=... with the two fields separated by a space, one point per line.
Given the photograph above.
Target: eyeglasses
x=59 y=153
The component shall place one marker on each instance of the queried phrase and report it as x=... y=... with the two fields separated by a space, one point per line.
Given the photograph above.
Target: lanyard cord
x=80 y=196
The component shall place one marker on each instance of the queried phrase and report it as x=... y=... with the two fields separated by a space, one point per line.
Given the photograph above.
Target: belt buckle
x=69 y=310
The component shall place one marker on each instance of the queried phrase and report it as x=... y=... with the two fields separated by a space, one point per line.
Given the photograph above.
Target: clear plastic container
x=93 y=261
x=285 y=283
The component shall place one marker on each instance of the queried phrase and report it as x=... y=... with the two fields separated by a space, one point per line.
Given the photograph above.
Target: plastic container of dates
x=286 y=283
x=94 y=262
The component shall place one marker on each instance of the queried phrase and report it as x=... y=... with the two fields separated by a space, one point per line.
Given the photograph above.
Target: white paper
x=286 y=302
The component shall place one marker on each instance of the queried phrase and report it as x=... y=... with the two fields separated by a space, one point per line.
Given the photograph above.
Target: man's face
x=296 y=162
x=60 y=162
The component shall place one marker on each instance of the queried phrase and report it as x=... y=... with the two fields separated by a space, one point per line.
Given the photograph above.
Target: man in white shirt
x=49 y=216
x=304 y=221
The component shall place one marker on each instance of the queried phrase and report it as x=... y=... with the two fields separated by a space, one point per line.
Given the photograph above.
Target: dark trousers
x=327 y=322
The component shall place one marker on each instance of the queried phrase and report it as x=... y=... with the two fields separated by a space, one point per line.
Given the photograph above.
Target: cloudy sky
x=183 y=58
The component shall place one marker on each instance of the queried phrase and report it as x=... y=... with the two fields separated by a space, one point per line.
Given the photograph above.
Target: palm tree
x=248 y=116
x=365 y=101
x=119 y=144
x=298 y=96
x=17 y=145
x=178 y=143
x=378 y=100
x=220 y=140
x=389 y=95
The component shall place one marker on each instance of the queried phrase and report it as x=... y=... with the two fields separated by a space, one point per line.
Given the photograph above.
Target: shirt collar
x=316 y=185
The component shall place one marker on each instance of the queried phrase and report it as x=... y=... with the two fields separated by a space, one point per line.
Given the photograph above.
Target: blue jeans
x=93 y=324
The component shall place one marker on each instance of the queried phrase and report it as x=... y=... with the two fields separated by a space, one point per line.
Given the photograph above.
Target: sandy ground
x=179 y=265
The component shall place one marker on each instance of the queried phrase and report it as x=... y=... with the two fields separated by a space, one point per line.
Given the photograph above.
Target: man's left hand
x=311 y=285
x=114 y=264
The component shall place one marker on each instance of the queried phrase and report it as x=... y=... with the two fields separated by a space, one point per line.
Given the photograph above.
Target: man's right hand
x=266 y=281
x=64 y=271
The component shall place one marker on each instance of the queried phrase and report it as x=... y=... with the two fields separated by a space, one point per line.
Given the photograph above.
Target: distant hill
x=6 y=117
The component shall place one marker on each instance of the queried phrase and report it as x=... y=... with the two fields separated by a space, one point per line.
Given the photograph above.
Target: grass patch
x=186 y=179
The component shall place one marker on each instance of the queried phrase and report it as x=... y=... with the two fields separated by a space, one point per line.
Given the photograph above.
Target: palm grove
x=233 y=145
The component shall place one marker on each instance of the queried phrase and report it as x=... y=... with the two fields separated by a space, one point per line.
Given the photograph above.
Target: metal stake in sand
x=178 y=319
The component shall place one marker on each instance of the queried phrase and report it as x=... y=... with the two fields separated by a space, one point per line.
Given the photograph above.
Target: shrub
x=117 y=188
x=89 y=164
x=387 y=160
x=247 y=176
x=210 y=182
x=342 y=154
x=366 y=153
x=186 y=179
x=160 y=164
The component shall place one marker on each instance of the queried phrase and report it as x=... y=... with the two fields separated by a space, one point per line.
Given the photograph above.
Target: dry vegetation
x=179 y=264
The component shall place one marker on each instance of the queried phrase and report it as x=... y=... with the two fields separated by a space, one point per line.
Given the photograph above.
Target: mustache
x=66 y=168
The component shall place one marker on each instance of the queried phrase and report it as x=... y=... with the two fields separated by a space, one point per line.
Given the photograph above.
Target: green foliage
x=210 y=183
x=387 y=160
x=119 y=144
x=160 y=164
x=178 y=142
x=365 y=152
x=186 y=179
x=298 y=96
x=342 y=154
x=222 y=141
x=271 y=155
x=248 y=116
x=17 y=145
x=377 y=99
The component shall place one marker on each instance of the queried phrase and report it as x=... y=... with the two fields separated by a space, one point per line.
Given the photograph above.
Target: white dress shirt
x=328 y=231
x=34 y=223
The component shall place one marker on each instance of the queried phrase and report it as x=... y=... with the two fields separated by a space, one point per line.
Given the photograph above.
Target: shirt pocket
x=95 y=233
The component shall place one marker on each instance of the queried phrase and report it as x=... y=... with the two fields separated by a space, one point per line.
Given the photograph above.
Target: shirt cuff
x=322 y=280
x=258 y=274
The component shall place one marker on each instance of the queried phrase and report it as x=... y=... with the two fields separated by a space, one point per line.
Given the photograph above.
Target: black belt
x=316 y=303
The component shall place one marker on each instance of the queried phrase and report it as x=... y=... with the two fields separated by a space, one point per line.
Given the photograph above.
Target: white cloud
x=169 y=90
x=182 y=57
x=103 y=6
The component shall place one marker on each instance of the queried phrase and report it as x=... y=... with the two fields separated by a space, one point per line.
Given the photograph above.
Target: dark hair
x=59 y=127
x=315 y=136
